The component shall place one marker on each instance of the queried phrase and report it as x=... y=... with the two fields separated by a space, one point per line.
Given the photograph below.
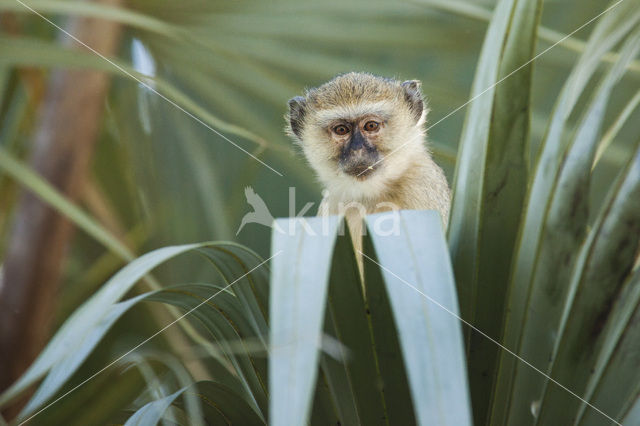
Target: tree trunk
x=65 y=135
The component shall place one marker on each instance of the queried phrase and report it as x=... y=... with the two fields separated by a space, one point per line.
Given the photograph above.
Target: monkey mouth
x=360 y=171
x=361 y=163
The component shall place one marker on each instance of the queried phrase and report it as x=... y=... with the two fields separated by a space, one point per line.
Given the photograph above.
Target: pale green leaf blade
x=51 y=195
x=613 y=387
x=610 y=30
x=62 y=370
x=80 y=324
x=501 y=194
x=221 y=314
x=562 y=235
x=604 y=264
x=464 y=223
x=419 y=281
x=633 y=416
x=94 y=10
x=231 y=261
x=26 y=51
x=230 y=326
x=216 y=399
x=150 y=414
x=297 y=305
x=615 y=128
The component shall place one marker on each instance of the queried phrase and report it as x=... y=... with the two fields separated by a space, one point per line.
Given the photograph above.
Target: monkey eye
x=371 y=126
x=341 y=129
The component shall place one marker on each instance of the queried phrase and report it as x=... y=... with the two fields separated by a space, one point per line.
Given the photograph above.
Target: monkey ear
x=413 y=96
x=297 y=109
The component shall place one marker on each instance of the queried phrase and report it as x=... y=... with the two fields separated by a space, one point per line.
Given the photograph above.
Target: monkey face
x=356 y=144
x=353 y=142
x=348 y=126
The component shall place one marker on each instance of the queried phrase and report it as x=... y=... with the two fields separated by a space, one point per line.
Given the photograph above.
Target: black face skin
x=357 y=155
x=356 y=140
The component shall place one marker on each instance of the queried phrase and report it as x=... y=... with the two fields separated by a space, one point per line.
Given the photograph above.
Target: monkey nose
x=357 y=142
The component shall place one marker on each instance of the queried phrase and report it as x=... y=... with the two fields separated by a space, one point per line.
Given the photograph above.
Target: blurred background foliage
x=160 y=177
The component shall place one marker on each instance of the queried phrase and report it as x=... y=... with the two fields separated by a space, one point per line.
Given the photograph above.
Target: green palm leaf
x=435 y=381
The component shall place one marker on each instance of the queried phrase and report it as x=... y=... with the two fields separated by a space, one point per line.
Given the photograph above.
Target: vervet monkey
x=364 y=137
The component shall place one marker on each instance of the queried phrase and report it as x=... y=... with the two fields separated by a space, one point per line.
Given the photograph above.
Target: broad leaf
x=299 y=284
x=85 y=327
x=604 y=265
x=546 y=217
x=428 y=345
x=491 y=179
x=220 y=406
x=563 y=233
x=419 y=283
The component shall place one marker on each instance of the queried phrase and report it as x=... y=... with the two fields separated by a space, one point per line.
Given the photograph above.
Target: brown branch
x=65 y=135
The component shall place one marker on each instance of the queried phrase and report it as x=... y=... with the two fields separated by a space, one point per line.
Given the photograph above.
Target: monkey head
x=350 y=126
